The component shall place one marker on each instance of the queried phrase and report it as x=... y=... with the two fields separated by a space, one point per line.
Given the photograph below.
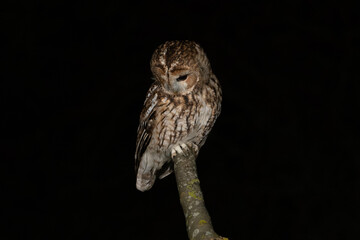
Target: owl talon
x=175 y=151
x=194 y=147
x=185 y=149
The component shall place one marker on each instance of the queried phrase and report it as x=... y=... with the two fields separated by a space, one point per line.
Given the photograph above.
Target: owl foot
x=185 y=149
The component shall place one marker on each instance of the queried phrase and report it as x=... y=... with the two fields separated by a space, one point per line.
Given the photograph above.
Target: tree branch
x=198 y=222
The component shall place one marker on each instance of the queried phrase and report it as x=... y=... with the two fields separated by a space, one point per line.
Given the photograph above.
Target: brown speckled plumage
x=181 y=106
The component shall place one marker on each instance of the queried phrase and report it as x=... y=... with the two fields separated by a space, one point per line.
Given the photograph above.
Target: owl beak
x=168 y=85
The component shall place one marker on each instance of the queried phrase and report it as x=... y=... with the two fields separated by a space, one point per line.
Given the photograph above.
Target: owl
x=179 y=111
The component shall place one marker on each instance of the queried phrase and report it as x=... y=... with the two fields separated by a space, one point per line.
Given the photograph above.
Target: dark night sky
x=282 y=161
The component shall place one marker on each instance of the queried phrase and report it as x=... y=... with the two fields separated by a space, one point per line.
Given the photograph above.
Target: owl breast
x=180 y=119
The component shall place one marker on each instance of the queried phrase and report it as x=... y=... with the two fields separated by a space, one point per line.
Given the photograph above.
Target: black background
x=282 y=161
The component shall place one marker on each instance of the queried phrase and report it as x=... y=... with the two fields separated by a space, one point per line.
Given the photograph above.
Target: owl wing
x=146 y=125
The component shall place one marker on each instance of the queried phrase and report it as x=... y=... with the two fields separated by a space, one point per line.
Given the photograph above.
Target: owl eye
x=182 y=78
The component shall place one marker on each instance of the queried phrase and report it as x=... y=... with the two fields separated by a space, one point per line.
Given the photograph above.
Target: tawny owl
x=180 y=109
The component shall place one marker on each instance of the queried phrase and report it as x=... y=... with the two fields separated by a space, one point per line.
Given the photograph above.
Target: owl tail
x=145 y=178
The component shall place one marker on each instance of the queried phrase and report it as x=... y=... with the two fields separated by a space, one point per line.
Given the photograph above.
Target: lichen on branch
x=198 y=222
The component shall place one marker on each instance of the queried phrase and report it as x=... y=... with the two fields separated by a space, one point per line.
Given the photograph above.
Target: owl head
x=179 y=66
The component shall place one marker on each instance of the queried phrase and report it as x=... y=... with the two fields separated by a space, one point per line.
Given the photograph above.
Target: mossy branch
x=198 y=222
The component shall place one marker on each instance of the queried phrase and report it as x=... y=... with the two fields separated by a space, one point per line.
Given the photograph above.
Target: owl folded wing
x=146 y=125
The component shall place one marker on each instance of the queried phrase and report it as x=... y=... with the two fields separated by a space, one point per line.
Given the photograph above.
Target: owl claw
x=184 y=149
